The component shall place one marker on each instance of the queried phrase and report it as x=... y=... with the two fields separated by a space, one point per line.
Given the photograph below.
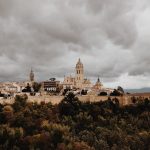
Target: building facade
x=79 y=78
x=50 y=85
x=98 y=85
x=79 y=81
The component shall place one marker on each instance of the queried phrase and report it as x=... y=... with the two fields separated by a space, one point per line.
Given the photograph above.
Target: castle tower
x=79 y=74
x=32 y=76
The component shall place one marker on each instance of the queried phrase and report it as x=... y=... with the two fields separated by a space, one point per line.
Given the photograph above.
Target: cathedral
x=79 y=81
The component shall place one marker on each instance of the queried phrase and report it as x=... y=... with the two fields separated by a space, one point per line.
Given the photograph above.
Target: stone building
x=69 y=82
x=98 y=85
x=78 y=82
x=79 y=78
x=31 y=79
x=50 y=85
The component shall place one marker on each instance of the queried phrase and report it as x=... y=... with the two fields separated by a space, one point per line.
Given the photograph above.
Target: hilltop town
x=53 y=90
x=72 y=115
x=77 y=83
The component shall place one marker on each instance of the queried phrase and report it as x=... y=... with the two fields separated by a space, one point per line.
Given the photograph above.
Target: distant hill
x=142 y=90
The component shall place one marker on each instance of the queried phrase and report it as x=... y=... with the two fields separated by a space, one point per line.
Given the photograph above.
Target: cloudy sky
x=112 y=38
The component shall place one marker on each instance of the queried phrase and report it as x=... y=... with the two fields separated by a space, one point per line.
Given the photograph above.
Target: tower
x=79 y=74
x=32 y=76
x=98 y=85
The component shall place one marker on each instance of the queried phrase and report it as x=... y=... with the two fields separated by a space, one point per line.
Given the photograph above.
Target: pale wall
x=123 y=100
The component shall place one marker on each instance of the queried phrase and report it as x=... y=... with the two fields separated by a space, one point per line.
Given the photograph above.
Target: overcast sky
x=112 y=38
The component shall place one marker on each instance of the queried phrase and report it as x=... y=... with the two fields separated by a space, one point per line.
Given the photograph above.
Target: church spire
x=79 y=61
x=32 y=75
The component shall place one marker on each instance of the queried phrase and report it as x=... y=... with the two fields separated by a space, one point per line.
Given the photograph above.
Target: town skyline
x=72 y=74
x=111 y=38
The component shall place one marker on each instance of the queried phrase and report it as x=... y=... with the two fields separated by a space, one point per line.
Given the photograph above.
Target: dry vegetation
x=73 y=125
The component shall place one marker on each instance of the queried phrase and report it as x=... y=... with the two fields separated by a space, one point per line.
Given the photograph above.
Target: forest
x=74 y=125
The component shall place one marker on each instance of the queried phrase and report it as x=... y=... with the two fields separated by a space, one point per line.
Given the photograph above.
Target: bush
x=103 y=94
x=20 y=102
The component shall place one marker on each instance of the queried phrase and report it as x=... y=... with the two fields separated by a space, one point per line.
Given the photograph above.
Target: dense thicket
x=73 y=125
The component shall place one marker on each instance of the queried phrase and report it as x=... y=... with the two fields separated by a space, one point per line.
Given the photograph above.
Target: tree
x=103 y=94
x=115 y=93
x=36 y=86
x=84 y=92
x=8 y=112
x=70 y=105
x=120 y=89
x=27 y=89
x=20 y=102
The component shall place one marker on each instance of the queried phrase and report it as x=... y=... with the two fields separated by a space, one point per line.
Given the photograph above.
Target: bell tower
x=32 y=76
x=79 y=74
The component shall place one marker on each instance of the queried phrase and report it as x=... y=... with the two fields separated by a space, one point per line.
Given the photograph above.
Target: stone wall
x=46 y=99
x=123 y=100
x=57 y=99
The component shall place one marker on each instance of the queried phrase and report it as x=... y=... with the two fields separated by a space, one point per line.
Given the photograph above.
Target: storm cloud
x=110 y=37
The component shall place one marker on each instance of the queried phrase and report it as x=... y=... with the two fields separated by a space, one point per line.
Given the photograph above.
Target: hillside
x=73 y=125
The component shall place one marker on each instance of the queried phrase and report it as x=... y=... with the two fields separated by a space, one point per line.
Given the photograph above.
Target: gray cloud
x=111 y=37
